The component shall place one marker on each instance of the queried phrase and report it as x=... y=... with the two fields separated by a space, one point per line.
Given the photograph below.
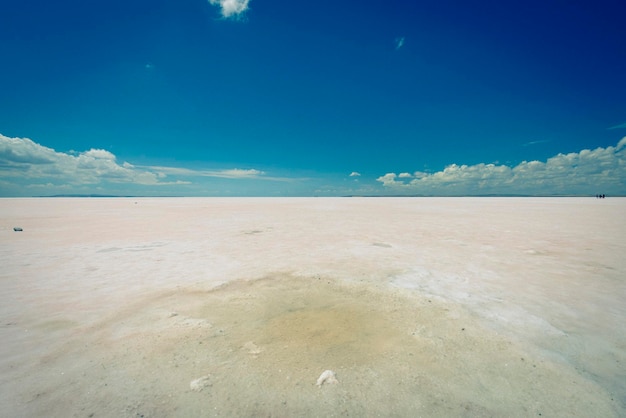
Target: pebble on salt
x=200 y=383
x=328 y=376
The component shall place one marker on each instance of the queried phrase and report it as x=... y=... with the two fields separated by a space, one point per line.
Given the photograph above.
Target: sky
x=319 y=98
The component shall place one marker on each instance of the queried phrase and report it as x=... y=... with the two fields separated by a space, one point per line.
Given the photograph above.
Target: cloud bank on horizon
x=31 y=169
x=602 y=170
x=28 y=168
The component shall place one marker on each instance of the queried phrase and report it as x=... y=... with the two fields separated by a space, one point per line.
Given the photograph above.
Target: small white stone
x=252 y=348
x=200 y=383
x=328 y=376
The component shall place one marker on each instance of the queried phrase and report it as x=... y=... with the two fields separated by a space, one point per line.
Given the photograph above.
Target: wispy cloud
x=27 y=164
x=355 y=174
x=620 y=126
x=233 y=173
x=399 y=42
x=231 y=8
x=541 y=141
x=586 y=172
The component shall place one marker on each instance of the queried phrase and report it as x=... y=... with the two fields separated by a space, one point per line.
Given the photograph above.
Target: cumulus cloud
x=24 y=158
x=355 y=174
x=27 y=164
x=602 y=170
x=389 y=179
x=231 y=8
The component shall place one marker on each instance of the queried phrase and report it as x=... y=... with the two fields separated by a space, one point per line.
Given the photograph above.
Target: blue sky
x=289 y=98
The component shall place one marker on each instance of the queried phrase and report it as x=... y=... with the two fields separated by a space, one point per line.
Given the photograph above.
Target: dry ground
x=234 y=307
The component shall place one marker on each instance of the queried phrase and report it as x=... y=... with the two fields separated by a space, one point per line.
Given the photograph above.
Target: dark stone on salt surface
x=17 y=229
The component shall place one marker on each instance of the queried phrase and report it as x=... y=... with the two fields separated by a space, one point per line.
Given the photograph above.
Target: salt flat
x=421 y=306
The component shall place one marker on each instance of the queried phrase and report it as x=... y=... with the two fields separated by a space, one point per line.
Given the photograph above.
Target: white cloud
x=24 y=158
x=602 y=170
x=231 y=8
x=27 y=164
x=542 y=141
x=355 y=174
x=237 y=173
x=405 y=175
x=399 y=42
x=389 y=179
x=16 y=150
x=620 y=126
x=233 y=173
